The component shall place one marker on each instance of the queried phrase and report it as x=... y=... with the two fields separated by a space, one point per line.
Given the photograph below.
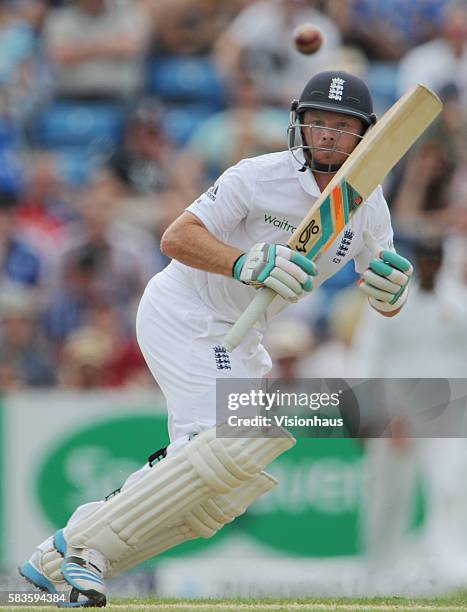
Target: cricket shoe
x=84 y=570
x=51 y=580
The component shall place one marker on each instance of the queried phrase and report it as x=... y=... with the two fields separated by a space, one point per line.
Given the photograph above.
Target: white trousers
x=179 y=338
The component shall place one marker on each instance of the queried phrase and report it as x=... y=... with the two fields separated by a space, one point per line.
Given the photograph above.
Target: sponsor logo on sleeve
x=212 y=192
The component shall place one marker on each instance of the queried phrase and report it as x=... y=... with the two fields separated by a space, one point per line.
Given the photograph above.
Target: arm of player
x=275 y=266
x=189 y=241
x=386 y=280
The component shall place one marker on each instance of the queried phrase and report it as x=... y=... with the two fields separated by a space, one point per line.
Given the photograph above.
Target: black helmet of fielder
x=332 y=90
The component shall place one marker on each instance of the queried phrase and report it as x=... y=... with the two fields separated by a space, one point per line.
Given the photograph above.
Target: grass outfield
x=457 y=603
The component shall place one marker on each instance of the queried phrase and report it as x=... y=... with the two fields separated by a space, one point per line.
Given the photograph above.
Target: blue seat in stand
x=97 y=125
x=186 y=79
x=183 y=119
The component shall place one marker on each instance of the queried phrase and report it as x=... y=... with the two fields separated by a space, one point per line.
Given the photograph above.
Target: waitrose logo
x=279 y=223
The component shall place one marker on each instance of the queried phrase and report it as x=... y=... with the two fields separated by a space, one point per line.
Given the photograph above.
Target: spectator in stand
x=428 y=197
x=85 y=358
x=384 y=31
x=32 y=11
x=127 y=366
x=43 y=209
x=97 y=356
x=260 y=41
x=77 y=296
x=142 y=163
x=442 y=60
x=19 y=261
x=23 y=349
x=189 y=27
x=124 y=257
x=246 y=129
x=18 y=65
x=97 y=48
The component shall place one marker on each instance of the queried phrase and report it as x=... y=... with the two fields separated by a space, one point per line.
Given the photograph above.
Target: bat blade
x=378 y=152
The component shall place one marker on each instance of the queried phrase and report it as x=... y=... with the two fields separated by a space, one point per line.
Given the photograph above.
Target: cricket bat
x=365 y=168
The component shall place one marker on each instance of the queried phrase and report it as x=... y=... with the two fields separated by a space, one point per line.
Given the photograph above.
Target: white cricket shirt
x=263 y=199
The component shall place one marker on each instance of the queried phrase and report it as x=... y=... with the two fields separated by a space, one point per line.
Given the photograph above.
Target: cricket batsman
x=225 y=245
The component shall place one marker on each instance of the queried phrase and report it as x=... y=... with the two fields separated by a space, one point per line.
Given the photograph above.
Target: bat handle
x=248 y=318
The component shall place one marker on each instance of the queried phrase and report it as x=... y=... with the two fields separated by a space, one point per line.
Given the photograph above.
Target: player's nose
x=326 y=134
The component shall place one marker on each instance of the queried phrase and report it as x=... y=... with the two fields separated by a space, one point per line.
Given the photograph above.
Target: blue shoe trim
x=76 y=571
x=70 y=578
x=85 y=575
x=76 y=577
x=39 y=580
x=60 y=542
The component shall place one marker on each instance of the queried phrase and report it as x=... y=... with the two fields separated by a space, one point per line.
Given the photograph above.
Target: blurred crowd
x=116 y=114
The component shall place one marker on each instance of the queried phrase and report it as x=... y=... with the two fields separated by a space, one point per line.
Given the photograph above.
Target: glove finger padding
x=379 y=282
x=288 y=280
x=397 y=301
x=297 y=258
x=292 y=269
x=299 y=266
x=386 y=271
x=397 y=261
x=281 y=289
x=374 y=292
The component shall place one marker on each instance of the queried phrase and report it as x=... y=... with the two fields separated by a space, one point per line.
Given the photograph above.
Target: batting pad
x=51 y=564
x=203 y=521
x=207 y=466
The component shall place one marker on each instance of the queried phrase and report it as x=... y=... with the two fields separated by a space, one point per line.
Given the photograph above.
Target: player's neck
x=323 y=180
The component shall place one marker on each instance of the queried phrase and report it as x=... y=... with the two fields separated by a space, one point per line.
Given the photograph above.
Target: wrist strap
x=237 y=266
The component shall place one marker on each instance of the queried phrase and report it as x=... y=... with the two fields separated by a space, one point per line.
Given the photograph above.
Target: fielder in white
x=227 y=243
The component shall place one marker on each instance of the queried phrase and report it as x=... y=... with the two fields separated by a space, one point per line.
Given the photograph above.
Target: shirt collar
x=306 y=178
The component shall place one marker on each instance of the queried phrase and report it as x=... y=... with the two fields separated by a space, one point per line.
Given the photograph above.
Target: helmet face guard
x=332 y=91
x=296 y=142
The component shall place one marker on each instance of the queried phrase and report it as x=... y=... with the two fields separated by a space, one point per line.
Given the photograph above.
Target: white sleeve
x=228 y=201
x=379 y=224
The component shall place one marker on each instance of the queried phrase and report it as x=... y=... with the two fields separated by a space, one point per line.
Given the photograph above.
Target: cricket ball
x=307 y=38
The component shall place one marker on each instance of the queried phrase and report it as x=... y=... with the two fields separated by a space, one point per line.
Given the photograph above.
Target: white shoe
x=33 y=572
x=43 y=570
x=84 y=570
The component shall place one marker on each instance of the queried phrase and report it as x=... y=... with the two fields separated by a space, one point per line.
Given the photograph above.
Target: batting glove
x=275 y=266
x=386 y=279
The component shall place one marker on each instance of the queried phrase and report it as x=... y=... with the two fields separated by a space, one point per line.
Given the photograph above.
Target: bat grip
x=248 y=318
